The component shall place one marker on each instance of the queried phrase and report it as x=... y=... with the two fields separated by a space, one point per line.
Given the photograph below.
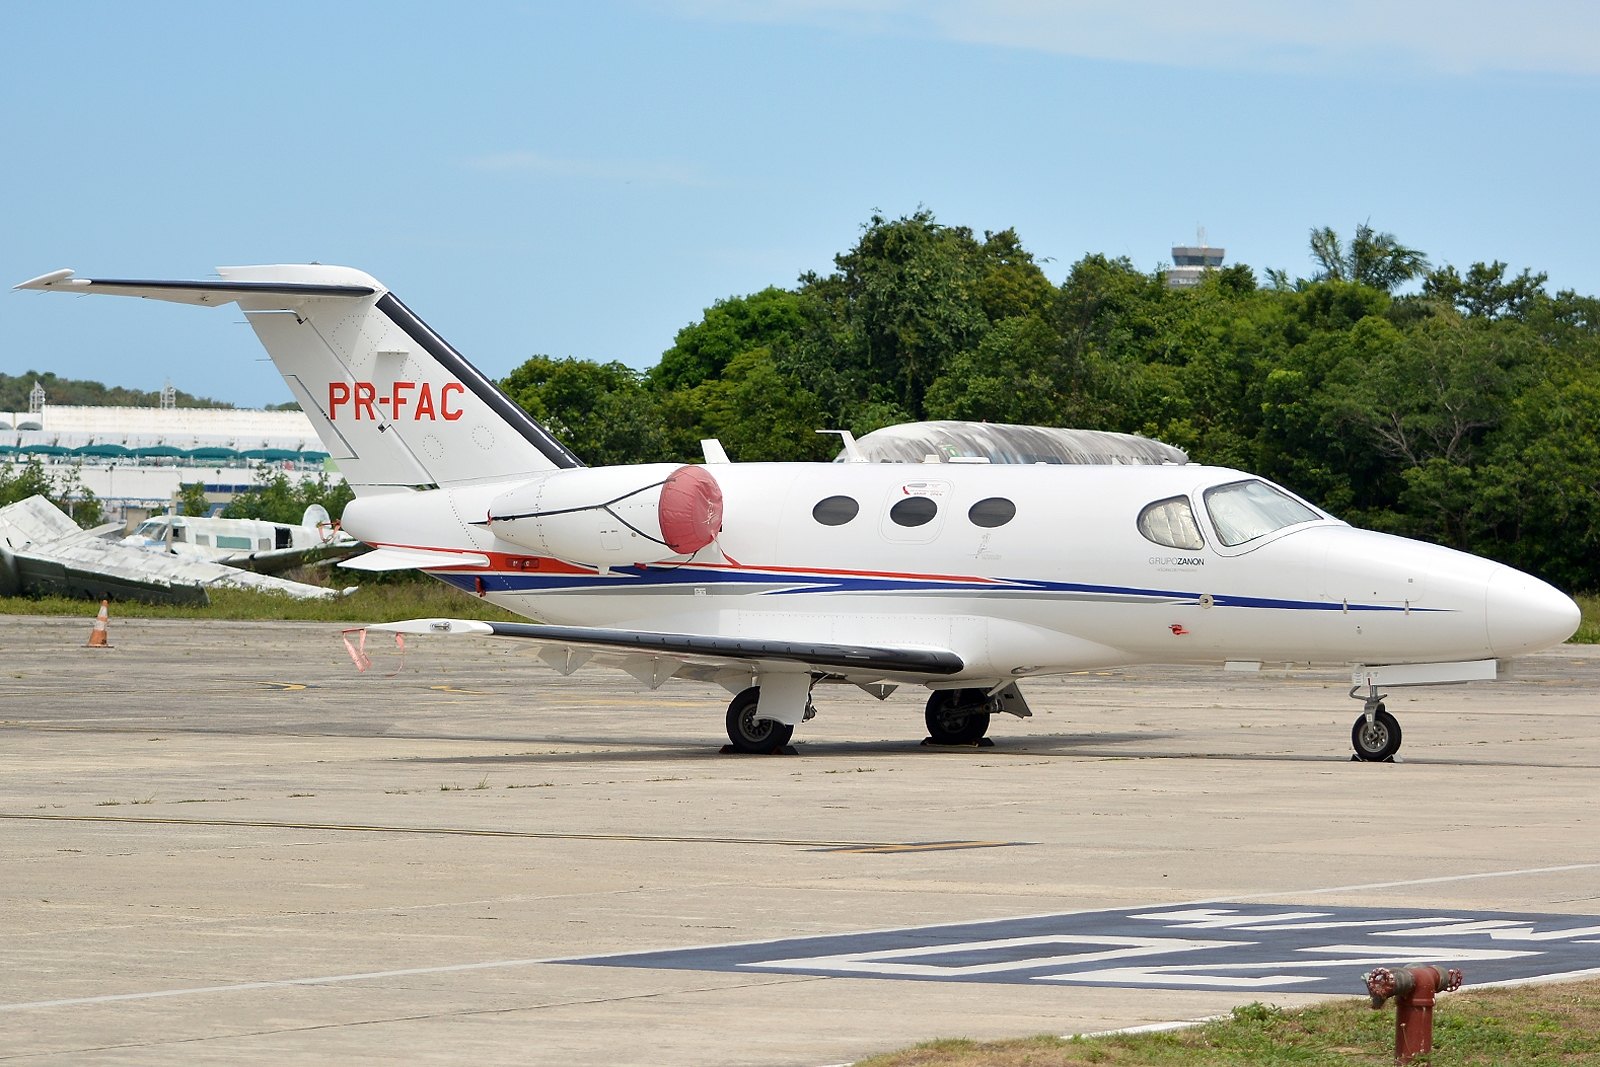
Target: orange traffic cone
x=100 y=636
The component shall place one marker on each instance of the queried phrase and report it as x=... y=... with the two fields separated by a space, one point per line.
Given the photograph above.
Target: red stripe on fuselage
x=503 y=561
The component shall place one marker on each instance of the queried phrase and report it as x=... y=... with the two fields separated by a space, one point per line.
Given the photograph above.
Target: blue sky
x=584 y=179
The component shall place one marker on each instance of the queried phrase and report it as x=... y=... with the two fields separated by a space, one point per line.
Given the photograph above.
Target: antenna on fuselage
x=852 y=451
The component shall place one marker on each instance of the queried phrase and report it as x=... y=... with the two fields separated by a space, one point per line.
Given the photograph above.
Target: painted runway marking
x=241 y=986
x=1420 y=881
x=1216 y=946
x=845 y=847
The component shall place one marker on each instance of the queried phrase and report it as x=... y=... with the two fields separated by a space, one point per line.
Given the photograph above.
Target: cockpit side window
x=1170 y=523
x=1244 y=511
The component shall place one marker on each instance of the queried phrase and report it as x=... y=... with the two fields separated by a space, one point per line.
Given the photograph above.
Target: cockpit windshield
x=1244 y=511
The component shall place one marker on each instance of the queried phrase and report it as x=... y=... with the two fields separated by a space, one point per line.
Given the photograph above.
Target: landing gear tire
x=1378 y=740
x=958 y=716
x=750 y=734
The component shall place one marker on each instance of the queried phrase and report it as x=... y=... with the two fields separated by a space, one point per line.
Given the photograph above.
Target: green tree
x=14 y=390
x=1485 y=293
x=278 y=499
x=759 y=413
x=1375 y=259
x=63 y=488
x=21 y=482
x=603 y=412
x=901 y=303
x=192 y=499
x=702 y=350
x=1017 y=374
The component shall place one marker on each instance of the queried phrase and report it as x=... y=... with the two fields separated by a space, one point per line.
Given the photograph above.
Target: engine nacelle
x=612 y=516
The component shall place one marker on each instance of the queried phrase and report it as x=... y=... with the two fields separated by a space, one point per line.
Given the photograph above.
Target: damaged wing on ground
x=44 y=553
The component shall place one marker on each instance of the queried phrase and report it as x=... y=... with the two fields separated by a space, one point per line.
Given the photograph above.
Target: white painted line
x=1538 y=979
x=1149 y=1028
x=1411 y=881
x=236 y=987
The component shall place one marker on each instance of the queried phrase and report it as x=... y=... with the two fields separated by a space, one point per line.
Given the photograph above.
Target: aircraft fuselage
x=1069 y=582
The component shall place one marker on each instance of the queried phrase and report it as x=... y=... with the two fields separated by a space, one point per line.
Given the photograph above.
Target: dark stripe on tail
x=478 y=382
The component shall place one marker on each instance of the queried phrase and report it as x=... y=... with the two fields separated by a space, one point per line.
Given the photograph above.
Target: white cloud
x=1457 y=37
x=624 y=171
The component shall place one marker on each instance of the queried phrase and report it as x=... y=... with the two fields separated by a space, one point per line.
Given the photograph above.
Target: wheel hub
x=1375 y=736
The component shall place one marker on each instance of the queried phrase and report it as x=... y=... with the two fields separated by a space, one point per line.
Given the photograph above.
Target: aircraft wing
x=692 y=655
x=46 y=554
x=279 y=560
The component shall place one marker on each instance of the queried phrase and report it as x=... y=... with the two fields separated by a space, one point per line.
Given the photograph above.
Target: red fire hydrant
x=1412 y=989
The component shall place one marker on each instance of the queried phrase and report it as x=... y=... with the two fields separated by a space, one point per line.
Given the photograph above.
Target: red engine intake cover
x=690 y=510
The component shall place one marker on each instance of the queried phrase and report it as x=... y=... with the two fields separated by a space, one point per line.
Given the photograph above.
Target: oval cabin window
x=835 y=510
x=914 y=511
x=995 y=511
x=1171 y=523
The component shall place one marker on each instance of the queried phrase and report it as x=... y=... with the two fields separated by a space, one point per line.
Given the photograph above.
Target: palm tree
x=1375 y=259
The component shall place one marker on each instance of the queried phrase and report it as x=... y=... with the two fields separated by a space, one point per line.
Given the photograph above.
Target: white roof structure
x=74 y=426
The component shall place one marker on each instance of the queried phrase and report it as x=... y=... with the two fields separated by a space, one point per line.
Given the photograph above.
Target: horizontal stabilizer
x=206 y=293
x=405 y=559
x=703 y=646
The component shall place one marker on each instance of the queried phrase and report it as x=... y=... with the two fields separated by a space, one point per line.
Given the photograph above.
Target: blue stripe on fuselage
x=646 y=580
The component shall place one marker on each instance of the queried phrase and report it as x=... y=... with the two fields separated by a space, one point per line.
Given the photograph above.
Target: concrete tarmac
x=222 y=845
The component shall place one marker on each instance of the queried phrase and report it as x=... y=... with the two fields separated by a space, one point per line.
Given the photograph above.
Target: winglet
x=56 y=279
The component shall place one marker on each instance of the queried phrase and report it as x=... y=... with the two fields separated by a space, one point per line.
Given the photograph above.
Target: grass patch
x=1589 y=629
x=371 y=603
x=1551 y=1024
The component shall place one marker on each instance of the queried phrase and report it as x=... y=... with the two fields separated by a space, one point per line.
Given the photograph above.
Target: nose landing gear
x=1376 y=734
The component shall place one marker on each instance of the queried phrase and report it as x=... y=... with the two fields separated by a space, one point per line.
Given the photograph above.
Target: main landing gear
x=749 y=732
x=959 y=716
x=954 y=716
x=1376 y=733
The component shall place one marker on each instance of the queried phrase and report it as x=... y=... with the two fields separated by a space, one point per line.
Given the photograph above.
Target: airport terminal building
x=134 y=459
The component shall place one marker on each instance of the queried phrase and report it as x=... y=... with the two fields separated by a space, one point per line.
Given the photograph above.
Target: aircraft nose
x=1526 y=615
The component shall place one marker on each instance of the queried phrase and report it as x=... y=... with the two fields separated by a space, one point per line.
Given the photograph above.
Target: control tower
x=1190 y=262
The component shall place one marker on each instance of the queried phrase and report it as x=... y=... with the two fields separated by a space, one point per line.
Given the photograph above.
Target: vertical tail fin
x=393 y=403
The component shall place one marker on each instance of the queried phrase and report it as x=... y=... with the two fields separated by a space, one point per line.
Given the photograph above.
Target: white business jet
x=769 y=578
